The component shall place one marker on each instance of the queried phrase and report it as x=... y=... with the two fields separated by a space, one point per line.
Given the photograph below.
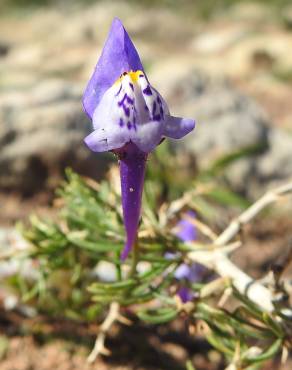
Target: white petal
x=100 y=140
x=104 y=112
x=147 y=136
x=176 y=127
x=97 y=141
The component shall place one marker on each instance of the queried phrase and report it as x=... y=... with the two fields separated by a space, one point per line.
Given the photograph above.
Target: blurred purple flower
x=187 y=232
x=129 y=118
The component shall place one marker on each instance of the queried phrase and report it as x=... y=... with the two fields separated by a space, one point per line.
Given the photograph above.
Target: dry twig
x=235 y=226
x=99 y=347
x=219 y=261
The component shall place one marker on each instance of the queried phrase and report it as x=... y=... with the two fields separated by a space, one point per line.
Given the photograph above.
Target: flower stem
x=118 y=270
x=135 y=259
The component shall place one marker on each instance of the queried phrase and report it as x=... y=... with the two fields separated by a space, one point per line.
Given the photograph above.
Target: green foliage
x=221 y=163
x=88 y=232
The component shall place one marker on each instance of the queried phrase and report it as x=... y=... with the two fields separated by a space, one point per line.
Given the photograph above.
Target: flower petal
x=185 y=294
x=182 y=272
x=187 y=231
x=102 y=141
x=119 y=55
x=96 y=141
x=147 y=136
x=176 y=127
x=102 y=112
x=192 y=273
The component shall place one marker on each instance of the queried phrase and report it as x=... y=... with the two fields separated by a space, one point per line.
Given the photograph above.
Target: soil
x=137 y=347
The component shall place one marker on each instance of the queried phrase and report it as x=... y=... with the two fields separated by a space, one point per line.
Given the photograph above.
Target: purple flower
x=129 y=118
x=192 y=273
x=186 y=231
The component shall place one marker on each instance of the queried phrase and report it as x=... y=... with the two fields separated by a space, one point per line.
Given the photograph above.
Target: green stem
x=119 y=269
x=135 y=259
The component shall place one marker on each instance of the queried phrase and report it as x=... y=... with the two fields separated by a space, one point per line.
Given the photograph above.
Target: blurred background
x=226 y=63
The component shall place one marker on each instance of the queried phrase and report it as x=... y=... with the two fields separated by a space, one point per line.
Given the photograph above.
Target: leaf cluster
x=80 y=273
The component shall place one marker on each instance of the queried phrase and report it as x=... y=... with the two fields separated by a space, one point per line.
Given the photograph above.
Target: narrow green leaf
x=158 y=316
x=269 y=353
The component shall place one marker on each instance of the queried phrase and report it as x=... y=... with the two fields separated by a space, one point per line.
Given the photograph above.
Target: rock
x=253 y=176
x=41 y=132
x=4 y=49
x=11 y=242
x=105 y=271
x=227 y=122
x=12 y=246
x=218 y=40
x=176 y=351
x=276 y=163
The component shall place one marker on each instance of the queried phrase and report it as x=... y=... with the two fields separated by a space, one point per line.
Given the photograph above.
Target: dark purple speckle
x=154 y=108
x=126 y=110
x=147 y=90
x=120 y=103
x=119 y=90
x=130 y=100
x=157 y=117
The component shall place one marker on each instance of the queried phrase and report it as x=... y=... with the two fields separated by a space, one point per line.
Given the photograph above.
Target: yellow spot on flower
x=134 y=76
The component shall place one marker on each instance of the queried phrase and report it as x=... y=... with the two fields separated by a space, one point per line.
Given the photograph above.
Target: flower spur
x=129 y=118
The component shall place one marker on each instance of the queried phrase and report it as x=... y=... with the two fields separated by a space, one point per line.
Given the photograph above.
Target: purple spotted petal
x=119 y=55
x=147 y=136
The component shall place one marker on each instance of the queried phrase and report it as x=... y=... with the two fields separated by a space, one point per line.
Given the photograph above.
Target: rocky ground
x=233 y=74
x=205 y=70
